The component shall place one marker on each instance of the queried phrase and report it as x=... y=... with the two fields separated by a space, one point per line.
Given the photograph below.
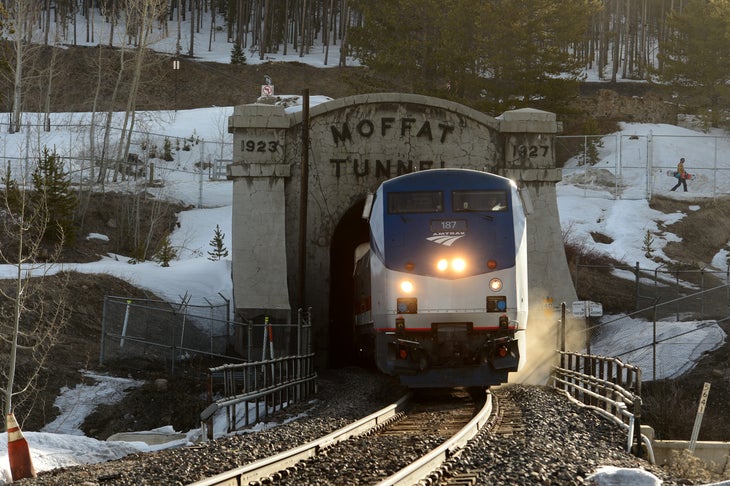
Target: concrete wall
x=355 y=144
x=715 y=454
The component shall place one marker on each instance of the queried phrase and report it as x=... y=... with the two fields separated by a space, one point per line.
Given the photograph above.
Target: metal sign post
x=698 y=418
x=587 y=309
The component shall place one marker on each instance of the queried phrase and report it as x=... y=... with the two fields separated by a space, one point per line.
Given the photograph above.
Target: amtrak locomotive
x=441 y=289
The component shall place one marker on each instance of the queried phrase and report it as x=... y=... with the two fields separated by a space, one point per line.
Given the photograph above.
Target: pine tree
x=12 y=193
x=166 y=253
x=53 y=195
x=593 y=142
x=647 y=247
x=168 y=151
x=507 y=53
x=219 y=248
x=237 y=54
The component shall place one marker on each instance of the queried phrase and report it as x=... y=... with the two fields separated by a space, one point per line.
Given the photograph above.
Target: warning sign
x=267 y=90
x=586 y=308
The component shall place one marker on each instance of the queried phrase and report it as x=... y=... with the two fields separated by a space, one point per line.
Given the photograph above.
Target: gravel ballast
x=561 y=444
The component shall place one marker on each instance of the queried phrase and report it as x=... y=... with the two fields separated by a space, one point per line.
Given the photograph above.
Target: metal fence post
x=637 y=426
x=676 y=308
x=619 y=169
x=637 y=278
x=562 y=328
x=299 y=351
x=702 y=295
x=103 y=331
x=714 y=171
x=200 y=176
x=653 y=343
x=649 y=166
x=124 y=325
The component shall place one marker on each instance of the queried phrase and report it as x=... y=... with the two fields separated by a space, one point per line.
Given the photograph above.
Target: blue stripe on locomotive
x=487 y=236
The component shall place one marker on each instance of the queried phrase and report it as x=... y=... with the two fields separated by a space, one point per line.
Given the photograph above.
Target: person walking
x=681 y=176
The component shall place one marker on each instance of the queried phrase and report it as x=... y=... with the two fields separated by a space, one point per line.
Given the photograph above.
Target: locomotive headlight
x=495 y=285
x=406 y=286
x=458 y=264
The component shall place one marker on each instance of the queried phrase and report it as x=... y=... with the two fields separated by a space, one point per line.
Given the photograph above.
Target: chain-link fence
x=682 y=308
x=696 y=294
x=143 y=330
x=94 y=156
x=156 y=331
x=602 y=164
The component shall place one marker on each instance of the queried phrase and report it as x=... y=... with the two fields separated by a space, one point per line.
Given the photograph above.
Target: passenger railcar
x=441 y=288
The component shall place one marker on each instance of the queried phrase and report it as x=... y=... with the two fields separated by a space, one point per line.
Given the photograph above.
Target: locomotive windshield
x=479 y=201
x=415 y=202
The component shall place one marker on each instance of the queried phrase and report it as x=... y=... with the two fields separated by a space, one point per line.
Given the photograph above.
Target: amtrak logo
x=446 y=240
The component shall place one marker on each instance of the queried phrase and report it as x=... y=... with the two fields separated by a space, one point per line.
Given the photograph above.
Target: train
x=441 y=293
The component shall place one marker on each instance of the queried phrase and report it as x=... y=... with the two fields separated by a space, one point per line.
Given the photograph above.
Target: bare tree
x=31 y=316
x=191 y=51
x=145 y=12
x=22 y=14
x=48 y=87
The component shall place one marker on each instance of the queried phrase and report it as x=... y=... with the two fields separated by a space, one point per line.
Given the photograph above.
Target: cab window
x=489 y=201
x=415 y=202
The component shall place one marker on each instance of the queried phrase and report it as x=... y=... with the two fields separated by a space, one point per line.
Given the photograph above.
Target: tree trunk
x=47 y=119
x=265 y=34
x=344 y=15
x=103 y=164
x=191 y=51
x=616 y=40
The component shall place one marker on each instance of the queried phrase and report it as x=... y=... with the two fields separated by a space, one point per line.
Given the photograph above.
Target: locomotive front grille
x=448 y=328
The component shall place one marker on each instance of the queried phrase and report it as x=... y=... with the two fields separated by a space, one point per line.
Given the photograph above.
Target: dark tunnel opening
x=349 y=233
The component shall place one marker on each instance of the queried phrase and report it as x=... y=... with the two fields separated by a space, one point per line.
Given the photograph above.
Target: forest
x=491 y=55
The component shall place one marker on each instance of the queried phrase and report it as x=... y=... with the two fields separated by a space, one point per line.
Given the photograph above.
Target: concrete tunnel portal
x=353 y=145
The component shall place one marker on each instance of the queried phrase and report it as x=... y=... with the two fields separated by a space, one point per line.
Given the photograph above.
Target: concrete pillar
x=258 y=231
x=529 y=159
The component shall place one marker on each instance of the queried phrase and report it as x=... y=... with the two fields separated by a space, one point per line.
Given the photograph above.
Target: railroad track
x=506 y=420
x=403 y=443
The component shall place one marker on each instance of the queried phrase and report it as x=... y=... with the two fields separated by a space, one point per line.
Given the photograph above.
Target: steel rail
x=264 y=468
x=423 y=467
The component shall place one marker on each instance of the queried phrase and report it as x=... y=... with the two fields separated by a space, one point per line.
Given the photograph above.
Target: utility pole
x=303 y=196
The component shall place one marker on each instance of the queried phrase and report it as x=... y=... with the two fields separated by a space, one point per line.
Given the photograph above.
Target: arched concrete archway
x=354 y=144
x=348 y=234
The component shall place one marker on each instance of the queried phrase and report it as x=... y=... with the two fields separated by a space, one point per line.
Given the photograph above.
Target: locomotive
x=441 y=288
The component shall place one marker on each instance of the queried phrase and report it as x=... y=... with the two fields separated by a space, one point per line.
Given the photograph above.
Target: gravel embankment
x=561 y=443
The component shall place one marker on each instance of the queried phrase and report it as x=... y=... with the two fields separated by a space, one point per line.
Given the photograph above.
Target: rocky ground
x=560 y=444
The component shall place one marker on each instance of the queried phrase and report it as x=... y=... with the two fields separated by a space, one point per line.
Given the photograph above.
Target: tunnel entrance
x=350 y=232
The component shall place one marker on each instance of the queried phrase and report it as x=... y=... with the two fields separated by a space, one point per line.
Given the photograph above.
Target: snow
x=61 y=443
x=617 y=476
